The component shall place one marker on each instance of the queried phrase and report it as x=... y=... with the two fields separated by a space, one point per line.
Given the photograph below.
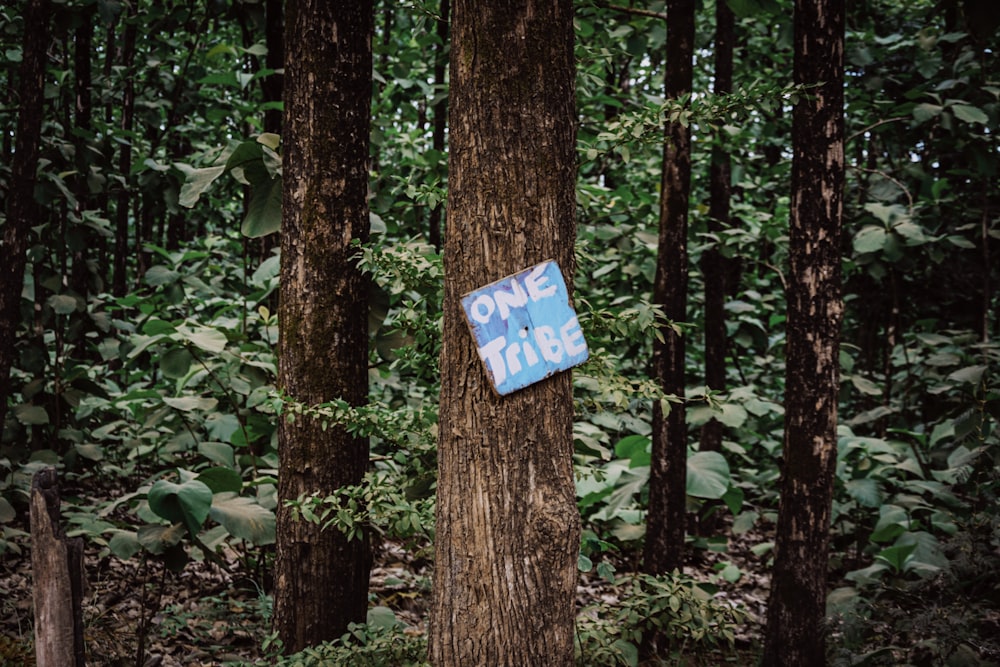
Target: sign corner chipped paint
x=525 y=328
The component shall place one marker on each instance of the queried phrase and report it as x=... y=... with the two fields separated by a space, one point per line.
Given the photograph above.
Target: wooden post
x=57 y=570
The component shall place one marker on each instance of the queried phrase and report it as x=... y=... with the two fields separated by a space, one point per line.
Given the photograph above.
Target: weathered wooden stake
x=57 y=570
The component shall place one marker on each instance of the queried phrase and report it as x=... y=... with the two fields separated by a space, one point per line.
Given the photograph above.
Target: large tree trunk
x=508 y=529
x=21 y=196
x=322 y=577
x=796 y=608
x=668 y=471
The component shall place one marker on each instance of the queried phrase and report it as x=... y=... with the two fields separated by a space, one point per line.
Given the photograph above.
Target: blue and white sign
x=525 y=328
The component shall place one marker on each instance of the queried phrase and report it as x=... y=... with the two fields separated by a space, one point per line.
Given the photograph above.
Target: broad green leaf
x=269 y=139
x=383 y=617
x=870 y=239
x=707 y=475
x=243 y=518
x=189 y=403
x=969 y=375
x=188 y=502
x=221 y=479
x=924 y=112
x=6 y=510
x=635 y=448
x=196 y=182
x=176 y=363
x=156 y=538
x=970 y=114
x=866 y=491
x=733 y=415
x=264 y=211
x=217 y=452
x=124 y=543
x=89 y=451
x=160 y=275
x=865 y=386
x=62 y=304
x=208 y=339
x=31 y=415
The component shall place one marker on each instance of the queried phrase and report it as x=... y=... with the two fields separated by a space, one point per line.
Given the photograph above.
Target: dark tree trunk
x=440 y=111
x=715 y=267
x=119 y=285
x=273 y=84
x=322 y=577
x=668 y=472
x=796 y=607
x=21 y=208
x=84 y=112
x=508 y=530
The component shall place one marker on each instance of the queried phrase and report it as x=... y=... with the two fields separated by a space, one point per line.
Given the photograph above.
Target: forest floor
x=139 y=614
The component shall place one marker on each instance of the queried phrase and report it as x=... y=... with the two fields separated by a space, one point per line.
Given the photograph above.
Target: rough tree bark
x=321 y=577
x=796 y=607
x=508 y=529
x=668 y=472
x=21 y=208
x=713 y=264
x=57 y=578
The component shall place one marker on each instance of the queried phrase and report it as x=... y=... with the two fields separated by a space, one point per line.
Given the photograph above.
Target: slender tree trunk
x=714 y=265
x=274 y=84
x=120 y=283
x=508 y=530
x=668 y=471
x=83 y=120
x=796 y=607
x=21 y=208
x=321 y=576
x=440 y=111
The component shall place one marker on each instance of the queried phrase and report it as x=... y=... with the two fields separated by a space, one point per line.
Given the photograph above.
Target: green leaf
x=189 y=403
x=217 y=452
x=865 y=386
x=707 y=475
x=264 y=210
x=160 y=275
x=733 y=415
x=196 y=182
x=156 y=539
x=635 y=448
x=870 y=239
x=584 y=564
x=243 y=518
x=866 y=491
x=970 y=114
x=176 y=363
x=31 y=415
x=62 y=304
x=124 y=543
x=221 y=479
x=188 y=502
x=383 y=617
x=6 y=510
x=969 y=375
x=208 y=339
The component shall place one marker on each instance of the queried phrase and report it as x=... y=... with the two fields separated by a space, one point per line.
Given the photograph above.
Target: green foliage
x=679 y=612
x=382 y=641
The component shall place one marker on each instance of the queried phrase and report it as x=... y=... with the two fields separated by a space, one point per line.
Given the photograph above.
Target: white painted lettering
x=505 y=299
x=572 y=338
x=491 y=353
x=534 y=281
x=482 y=308
x=551 y=347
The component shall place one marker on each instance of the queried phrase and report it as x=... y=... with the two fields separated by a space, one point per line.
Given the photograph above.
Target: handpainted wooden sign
x=525 y=328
